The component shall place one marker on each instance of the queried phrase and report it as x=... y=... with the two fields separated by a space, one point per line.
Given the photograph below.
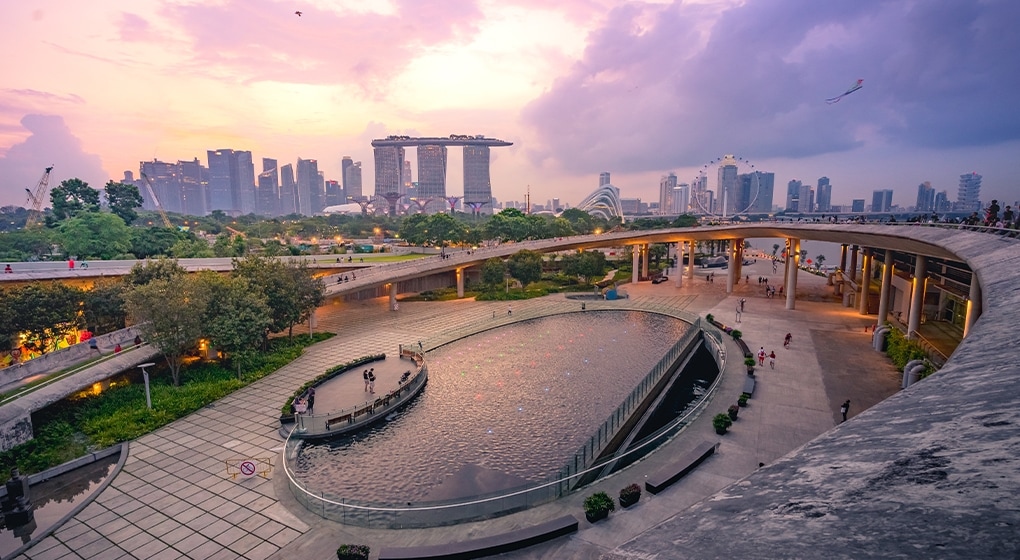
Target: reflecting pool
x=502 y=408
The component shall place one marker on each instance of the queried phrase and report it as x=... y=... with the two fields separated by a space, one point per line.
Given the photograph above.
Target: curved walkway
x=174 y=498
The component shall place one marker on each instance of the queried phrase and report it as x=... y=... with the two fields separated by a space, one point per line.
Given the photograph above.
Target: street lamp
x=145 y=375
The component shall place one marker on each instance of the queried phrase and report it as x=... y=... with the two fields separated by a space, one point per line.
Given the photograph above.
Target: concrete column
x=786 y=263
x=883 y=298
x=973 y=304
x=393 y=296
x=679 y=280
x=635 y=263
x=690 y=259
x=852 y=271
x=917 y=295
x=646 y=251
x=731 y=271
x=460 y=282
x=865 y=281
x=792 y=262
x=842 y=256
x=738 y=248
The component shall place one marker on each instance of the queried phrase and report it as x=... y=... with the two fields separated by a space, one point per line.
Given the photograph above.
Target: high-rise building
x=334 y=194
x=389 y=165
x=163 y=178
x=793 y=195
x=345 y=162
x=193 y=180
x=702 y=199
x=824 y=194
x=968 y=198
x=942 y=203
x=309 y=195
x=288 y=191
x=728 y=187
x=925 y=198
x=881 y=200
x=667 y=190
x=432 y=176
x=681 y=199
x=352 y=182
x=756 y=188
x=405 y=179
x=477 y=183
x=231 y=181
x=603 y=178
x=267 y=196
x=857 y=205
x=806 y=199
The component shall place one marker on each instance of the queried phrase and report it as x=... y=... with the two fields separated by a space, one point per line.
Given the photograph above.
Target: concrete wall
x=67 y=357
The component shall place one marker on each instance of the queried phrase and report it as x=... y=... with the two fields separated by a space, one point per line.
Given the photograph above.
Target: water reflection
x=502 y=408
x=55 y=498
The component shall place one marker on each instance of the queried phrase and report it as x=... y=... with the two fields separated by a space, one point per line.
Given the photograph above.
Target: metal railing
x=381 y=515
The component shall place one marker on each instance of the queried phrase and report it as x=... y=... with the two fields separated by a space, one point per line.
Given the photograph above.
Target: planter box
x=592 y=517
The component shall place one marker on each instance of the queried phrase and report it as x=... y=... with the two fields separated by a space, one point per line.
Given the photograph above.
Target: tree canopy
x=95 y=235
x=123 y=199
x=525 y=266
x=170 y=312
x=73 y=197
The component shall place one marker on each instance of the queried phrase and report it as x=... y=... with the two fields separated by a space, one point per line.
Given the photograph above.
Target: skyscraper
x=192 y=180
x=288 y=191
x=163 y=178
x=345 y=162
x=231 y=181
x=267 y=198
x=942 y=203
x=432 y=176
x=881 y=200
x=925 y=198
x=309 y=196
x=352 y=182
x=793 y=195
x=756 y=187
x=389 y=165
x=968 y=198
x=728 y=187
x=604 y=178
x=477 y=183
x=405 y=178
x=681 y=199
x=245 y=183
x=806 y=199
x=667 y=188
x=824 y=194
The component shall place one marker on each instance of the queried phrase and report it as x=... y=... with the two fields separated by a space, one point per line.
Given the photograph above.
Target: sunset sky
x=638 y=89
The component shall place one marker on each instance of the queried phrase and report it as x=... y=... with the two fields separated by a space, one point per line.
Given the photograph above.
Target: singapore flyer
x=736 y=190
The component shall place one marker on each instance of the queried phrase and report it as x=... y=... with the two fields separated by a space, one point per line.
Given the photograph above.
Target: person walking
x=787 y=340
x=738 y=312
x=772 y=359
x=742 y=302
x=509 y=310
x=761 y=356
x=844 y=409
x=93 y=345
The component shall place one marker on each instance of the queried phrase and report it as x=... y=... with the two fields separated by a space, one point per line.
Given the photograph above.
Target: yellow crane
x=155 y=200
x=36 y=199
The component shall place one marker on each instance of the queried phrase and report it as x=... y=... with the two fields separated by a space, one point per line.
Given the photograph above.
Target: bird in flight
x=298 y=14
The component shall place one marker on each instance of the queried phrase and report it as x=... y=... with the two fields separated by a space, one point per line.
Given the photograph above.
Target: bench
x=486 y=546
x=666 y=476
x=749 y=385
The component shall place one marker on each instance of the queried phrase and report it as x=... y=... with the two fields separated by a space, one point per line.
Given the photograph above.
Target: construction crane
x=36 y=199
x=155 y=200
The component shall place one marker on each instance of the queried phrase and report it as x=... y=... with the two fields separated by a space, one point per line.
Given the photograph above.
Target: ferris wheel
x=733 y=199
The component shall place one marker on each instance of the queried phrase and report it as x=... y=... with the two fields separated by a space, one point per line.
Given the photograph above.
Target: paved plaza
x=175 y=499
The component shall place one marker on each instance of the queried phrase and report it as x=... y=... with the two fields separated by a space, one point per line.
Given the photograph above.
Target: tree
x=123 y=199
x=508 y=225
x=224 y=246
x=154 y=241
x=44 y=311
x=775 y=249
x=169 y=314
x=190 y=248
x=685 y=220
x=443 y=229
x=819 y=261
x=585 y=265
x=160 y=269
x=290 y=289
x=26 y=244
x=412 y=229
x=73 y=197
x=580 y=221
x=95 y=235
x=310 y=292
x=236 y=318
x=525 y=266
x=103 y=307
x=493 y=271
x=656 y=251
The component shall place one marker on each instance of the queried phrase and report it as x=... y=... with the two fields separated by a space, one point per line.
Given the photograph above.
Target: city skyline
x=579 y=88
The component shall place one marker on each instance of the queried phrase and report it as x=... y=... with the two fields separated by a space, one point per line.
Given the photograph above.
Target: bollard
x=906 y=372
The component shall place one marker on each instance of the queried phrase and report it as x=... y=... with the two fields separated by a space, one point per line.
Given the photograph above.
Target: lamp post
x=145 y=375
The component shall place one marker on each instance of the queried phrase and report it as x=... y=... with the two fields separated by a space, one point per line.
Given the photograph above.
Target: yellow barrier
x=249 y=467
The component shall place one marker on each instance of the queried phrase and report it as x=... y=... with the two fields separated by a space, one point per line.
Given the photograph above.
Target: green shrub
x=710 y=318
x=736 y=334
x=352 y=552
x=721 y=421
x=749 y=361
x=902 y=350
x=599 y=502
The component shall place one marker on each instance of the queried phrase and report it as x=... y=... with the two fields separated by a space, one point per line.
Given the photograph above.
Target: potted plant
x=721 y=422
x=352 y=552
x=736 y=334
x=629 y=495
x=742 y=400
x=710 y=318
x=732 y=411
x=749 y=362
x=597 y=506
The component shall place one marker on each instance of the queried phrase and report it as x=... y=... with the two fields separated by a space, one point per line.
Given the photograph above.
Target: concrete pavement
x=174 y=498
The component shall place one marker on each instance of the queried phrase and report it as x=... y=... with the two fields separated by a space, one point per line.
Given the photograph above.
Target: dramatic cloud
x=50 y=143
x=662 y=86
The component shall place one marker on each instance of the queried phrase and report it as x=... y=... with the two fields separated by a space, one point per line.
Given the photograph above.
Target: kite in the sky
x=858 y=85
x=298 y=14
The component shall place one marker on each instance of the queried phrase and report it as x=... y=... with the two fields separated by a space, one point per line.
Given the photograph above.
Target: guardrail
x=393 y=516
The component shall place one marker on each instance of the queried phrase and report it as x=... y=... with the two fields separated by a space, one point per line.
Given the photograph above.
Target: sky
x=639 y=89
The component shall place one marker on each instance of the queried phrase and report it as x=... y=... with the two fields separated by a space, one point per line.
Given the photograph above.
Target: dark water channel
x=502 y=408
